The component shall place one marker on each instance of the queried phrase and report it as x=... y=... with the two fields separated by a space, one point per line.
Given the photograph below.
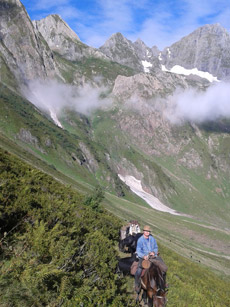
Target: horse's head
x=127 y=242
x=159 y=299
x=155 y=286
x=121 y=245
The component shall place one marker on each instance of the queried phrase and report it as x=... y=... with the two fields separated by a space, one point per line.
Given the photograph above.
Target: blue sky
x=156 y=22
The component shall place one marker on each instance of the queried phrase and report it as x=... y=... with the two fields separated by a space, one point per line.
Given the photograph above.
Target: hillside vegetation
x=54 y=249
x=58 y=248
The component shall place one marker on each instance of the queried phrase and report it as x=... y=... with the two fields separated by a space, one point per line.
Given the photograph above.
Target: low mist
x=198 y=107
x=189 y=105
x=52 y=97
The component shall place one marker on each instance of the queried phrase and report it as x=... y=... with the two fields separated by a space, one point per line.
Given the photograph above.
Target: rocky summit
x=207 y=49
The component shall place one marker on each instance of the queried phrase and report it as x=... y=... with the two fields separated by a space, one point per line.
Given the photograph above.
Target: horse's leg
x=137 y=299
x=144 y=296
x=150 y=298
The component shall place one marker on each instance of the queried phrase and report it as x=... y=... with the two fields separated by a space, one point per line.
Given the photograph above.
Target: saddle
x=160 y=263
x=134 y=267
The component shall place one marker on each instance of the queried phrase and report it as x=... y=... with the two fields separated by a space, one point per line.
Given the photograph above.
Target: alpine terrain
x=92 y=138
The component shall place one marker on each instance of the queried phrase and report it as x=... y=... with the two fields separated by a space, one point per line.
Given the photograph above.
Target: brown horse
x=153 y=285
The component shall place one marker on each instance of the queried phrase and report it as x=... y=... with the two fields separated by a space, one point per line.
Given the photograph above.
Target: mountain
x=63 y=40
x=136 y=55
x=22 y=49
x=207 y=49
x=106 y=117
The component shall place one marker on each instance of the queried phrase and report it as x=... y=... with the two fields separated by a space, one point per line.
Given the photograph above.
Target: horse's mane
x=155 y=274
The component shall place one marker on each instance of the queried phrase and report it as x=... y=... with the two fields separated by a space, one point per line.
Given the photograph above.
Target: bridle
x=162 y=303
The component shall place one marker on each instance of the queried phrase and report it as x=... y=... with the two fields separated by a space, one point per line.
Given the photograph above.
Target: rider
x=146 y=246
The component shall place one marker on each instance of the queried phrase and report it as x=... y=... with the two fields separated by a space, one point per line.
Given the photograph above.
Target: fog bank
x=198 y=107
x=52 y=97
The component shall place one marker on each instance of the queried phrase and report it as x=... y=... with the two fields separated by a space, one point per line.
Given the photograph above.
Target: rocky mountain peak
x=21 y=47
x=140 y=46
x=63 y=40
x=121 y=50
x=207 y=49
x=116 y=37
x=117 y=42
x=211 y=28
x=144 y=52
x=135 y=55
x=54 y=29
x=10 y=3
x=140 y=42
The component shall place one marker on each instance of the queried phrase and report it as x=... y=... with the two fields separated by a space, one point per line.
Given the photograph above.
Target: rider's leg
x=138 y=277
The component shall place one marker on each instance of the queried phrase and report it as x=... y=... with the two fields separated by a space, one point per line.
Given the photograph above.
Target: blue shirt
x=146 y=246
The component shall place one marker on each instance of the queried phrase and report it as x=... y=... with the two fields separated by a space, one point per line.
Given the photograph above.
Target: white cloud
x=68 y=12
x=114 y=16
x=52 y=97
x=198 y=107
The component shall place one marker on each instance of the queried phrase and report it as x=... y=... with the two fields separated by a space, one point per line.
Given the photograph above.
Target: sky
x=157 y=22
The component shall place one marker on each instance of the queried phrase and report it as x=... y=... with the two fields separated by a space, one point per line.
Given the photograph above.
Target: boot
x=138 y=280
x=137 y=285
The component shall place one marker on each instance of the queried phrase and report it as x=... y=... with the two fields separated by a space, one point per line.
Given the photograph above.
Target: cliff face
x=63 y=40
x=22 y=48
x=207 y=48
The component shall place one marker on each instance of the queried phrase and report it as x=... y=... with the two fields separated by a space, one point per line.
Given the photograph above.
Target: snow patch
x=177 y=69
x=160 y=58
x=148 y=54
x=146 y=65
x=155 y=203
x=169 y=52
x=55 y=119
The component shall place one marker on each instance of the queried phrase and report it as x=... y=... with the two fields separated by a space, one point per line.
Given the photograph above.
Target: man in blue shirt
x=146 y=246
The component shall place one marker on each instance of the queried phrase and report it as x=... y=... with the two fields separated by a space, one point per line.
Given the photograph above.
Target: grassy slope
x=204 y=237
x=190 y=283
x=13 y=116
x=53 y=145
x=98 y=70
x=202 y=243
x=16 y=113
x=53 y=247
x=187 y=190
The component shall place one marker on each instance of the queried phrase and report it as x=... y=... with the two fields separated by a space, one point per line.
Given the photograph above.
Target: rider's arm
x=154 y=246
x=139 y=249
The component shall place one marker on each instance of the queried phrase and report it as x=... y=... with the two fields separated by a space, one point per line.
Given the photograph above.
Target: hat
x=147 y=228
